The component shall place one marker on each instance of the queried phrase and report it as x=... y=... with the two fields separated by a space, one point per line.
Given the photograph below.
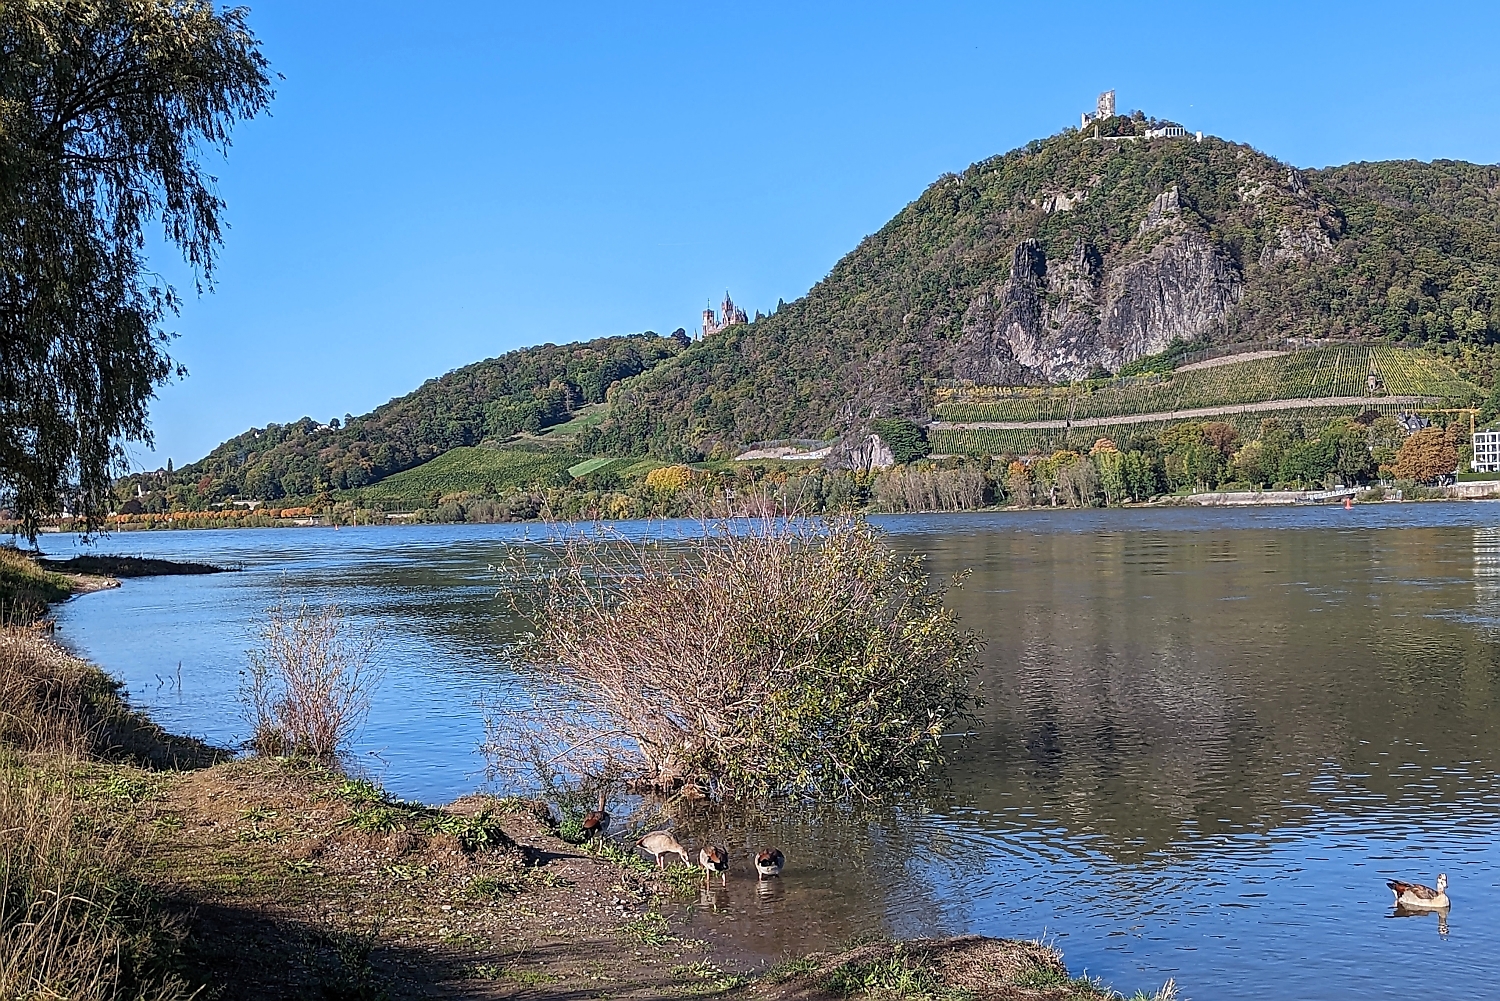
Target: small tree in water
x=790 y=658
x=308 y=688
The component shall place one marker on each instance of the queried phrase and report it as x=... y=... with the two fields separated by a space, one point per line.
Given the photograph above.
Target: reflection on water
x=1208 y=738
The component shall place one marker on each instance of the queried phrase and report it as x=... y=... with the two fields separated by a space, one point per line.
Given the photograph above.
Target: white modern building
x=1486 y=452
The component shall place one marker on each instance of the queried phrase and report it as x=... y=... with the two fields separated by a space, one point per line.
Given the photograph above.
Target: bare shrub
x=904 y=488
x=308 y=687
x=779 y=657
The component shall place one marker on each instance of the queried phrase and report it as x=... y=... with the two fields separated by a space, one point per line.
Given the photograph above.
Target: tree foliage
x=530 y=389
x=106 y=110
x=1427 y=455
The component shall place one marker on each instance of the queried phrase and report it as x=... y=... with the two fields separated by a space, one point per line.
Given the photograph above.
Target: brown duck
x=596 y=822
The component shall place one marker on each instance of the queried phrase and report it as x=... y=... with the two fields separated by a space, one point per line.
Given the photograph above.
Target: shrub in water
x=786 y=657
x=308 y=687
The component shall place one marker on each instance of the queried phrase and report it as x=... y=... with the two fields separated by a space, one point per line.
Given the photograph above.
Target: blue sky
x=440 y=183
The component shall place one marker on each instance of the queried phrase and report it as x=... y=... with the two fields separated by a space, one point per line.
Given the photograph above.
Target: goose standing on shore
x=769 y=863
x=661 y=844
x=714 y=859
x=596 y=822
x=1415 y=896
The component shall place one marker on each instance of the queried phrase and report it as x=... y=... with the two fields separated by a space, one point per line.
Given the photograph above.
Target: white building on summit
x=732 y=314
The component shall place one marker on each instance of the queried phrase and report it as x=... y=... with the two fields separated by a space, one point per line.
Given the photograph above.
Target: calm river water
x=1210 y=736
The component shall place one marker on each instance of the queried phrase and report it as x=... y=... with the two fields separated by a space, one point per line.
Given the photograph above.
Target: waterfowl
x=714 y=859
x=662 y=844
x=1417 y=896
x=596 y=822
x=770 y=863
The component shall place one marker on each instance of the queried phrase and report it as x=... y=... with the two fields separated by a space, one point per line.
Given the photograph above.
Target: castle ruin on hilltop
x=732 y=314
x=1104 y=108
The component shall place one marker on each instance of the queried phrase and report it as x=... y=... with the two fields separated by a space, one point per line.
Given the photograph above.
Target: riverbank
x=1463 y=491
x=265 y=878
x=30 y=583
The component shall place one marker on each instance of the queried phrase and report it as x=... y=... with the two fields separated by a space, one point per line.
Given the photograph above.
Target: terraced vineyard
x=486 y=470
x=1032 y=441
x=1338 y=371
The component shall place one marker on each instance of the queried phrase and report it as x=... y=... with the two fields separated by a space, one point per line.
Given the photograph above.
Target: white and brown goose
x=714 y=859
x=661 y=844
x=769 y=863
x=1415 y=896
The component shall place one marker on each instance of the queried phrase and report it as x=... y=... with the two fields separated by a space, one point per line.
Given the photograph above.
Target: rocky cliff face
x=1045 y=324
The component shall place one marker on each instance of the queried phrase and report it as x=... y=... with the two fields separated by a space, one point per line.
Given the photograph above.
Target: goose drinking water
x=661 y=844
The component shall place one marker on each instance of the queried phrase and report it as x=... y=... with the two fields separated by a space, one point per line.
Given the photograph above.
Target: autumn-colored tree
x=1223 y=437
x=1426 y=455
x=669 y=479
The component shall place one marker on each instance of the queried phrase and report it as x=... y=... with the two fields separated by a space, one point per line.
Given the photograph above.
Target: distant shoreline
x=1468 y=491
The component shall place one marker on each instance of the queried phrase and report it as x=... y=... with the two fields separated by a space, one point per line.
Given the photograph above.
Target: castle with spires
x=731 y=314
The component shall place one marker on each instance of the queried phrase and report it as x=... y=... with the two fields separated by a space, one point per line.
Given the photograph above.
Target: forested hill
x=525 y=390
x=1069 y=258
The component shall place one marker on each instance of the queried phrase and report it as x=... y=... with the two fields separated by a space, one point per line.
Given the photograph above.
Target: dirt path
x=1229 y=360
x=1267 y=406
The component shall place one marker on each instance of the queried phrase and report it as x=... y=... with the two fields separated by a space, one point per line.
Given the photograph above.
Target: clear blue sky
x=439 y=183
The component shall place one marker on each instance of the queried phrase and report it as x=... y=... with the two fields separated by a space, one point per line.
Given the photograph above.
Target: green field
x=588 y=466
x=476 y=469
x=1322 y=372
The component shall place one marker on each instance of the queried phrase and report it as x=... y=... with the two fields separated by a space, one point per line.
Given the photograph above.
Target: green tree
x=106 y=109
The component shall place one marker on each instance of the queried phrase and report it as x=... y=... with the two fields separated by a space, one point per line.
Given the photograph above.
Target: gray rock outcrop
x=862 y=454
x=1057 y=322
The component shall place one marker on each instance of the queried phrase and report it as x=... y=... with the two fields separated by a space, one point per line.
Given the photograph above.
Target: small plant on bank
x=779 y=657
x=308 y=687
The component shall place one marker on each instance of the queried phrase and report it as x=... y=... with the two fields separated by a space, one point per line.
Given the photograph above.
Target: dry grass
x=74 y=920
x=26 y=589
x=52 y=702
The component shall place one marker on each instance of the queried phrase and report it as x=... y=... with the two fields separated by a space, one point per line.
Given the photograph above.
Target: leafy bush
x=906 y=440
x=779 y=658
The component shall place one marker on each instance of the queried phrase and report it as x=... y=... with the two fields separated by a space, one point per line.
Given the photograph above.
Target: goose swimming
x=1419 y=897
x=770 y=863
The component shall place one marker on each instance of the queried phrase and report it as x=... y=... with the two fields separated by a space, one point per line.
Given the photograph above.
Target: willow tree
x=108 y=109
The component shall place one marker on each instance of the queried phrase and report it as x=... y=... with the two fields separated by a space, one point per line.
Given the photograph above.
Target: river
x=1209 y=737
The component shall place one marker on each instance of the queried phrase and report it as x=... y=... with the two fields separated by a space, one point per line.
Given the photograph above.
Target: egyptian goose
x=714 y=859
x=662 y=844
x=596 y=822
x=769 y=863
x=1417 y=896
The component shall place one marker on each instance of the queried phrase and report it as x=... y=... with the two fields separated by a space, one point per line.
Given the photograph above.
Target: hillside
x=1070 y=258
x=528 y=390
x=1012 y=307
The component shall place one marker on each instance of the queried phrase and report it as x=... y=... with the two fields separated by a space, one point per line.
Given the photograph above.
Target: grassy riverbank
x=154 y=866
